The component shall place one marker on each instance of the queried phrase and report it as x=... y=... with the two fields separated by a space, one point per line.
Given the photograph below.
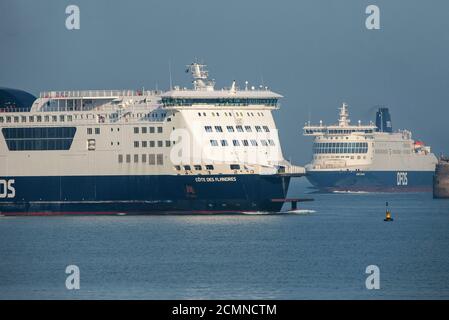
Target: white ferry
x=200 y=150
x=368 y=157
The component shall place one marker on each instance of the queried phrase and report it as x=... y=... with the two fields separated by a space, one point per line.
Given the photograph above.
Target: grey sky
x=316 y=53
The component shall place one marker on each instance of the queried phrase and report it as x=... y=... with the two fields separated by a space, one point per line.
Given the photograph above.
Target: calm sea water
x=316 y=254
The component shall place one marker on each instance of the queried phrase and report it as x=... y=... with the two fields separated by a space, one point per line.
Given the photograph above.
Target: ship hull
x=143 y=194
x=372 y=181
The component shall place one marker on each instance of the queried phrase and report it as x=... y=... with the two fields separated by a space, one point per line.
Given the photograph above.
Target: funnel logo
x=7 y=189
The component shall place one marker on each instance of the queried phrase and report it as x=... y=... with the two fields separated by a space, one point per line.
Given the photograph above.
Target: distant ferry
x=200 y=150
x=368 y=157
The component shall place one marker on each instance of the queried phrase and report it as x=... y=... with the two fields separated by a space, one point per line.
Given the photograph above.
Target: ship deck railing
x=88 y=94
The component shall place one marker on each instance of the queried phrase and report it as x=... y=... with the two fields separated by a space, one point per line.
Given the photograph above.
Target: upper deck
x=96 y=94
x=205 y=94
x=342 y=128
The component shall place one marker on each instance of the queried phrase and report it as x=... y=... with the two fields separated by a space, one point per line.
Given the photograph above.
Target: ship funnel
x=383 y=120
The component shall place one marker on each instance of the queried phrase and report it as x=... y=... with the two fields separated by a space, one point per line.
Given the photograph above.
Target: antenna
x=169 y=72
x=309 y=114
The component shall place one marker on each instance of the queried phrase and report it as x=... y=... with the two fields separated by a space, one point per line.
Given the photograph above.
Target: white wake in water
x=257 y=213
x=261 y=213
x=300 y=211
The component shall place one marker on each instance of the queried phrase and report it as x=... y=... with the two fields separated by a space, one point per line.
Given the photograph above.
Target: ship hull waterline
x=144 y=194
x=371 y=181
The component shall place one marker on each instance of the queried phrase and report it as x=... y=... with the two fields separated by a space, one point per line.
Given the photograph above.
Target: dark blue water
x=317 y=255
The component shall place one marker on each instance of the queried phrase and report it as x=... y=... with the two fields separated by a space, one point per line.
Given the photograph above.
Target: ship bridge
x=204 y=93
x=342 y=128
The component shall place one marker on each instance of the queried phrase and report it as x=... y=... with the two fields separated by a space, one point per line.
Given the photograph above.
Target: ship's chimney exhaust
x=383 y=120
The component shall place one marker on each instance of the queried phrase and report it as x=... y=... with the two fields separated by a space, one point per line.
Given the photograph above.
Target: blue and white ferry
x=369 y=157
x=199 y=150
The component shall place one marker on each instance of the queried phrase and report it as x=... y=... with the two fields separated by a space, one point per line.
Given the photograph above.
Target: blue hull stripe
x=372 y=180
x=145 y=194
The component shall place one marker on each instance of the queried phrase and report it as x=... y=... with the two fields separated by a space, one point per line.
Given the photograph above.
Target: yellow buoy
x=388 y=214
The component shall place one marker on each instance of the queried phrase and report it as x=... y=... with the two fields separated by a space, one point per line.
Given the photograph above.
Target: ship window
x=31 y=118
x=97 y=130
x=235 y=143
x=152 y=159
x=144 y=158
x=61 y=118
x=167 y=143
x=177 y=168
x=264 y=143
x=208 y=128
x=340 y=147
x=159 y=129
x=218 y=129
x=89 y=130
x=248 y=129
x=136 y=129
x=245 y=143
x=224 y=143
x=128 y=158
x=144 y=129
x=213 y=143
x=239 y=128
x=197 y=167
x=151 y=129
x=271 y=142
x=234 y=167
x=209 y=167
x=144 y=144
x=120 y=158
x=160 y=159
x=258 y=129
x=266 y=128
x=40 y=138
x=230 y=128
x=136 y=158
x=160 y=144
x=152 y=144
x=187 y=167
x=254 y=143
x=136 y=144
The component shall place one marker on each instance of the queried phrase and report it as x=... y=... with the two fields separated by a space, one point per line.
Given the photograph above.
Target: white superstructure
x=136 y=132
